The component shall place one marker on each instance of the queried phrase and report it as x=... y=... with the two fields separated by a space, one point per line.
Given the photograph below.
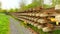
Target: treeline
x=33 y=4
x=37 y=3
x=10 y=10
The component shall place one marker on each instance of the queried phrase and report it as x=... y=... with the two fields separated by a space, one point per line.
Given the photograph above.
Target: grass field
x=4 y=24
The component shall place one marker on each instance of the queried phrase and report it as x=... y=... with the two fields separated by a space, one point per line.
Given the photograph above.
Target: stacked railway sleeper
x=45 y=19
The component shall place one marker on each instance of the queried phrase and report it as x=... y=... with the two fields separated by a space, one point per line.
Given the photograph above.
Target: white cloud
x=7 y=4
x=28 y=1
x=48 y=2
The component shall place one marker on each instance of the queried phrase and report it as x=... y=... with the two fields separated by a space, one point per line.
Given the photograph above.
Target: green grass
x=4 y=24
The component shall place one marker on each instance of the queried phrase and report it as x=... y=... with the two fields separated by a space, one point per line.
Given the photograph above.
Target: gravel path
x=16 y=28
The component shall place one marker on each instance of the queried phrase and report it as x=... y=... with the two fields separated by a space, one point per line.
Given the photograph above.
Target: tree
x=34 y=1
x=57 y=1
x=22 y=4
x=38 y=2
x=54 y=3
x=0 y=6
x=11 y=10
x=16 y=9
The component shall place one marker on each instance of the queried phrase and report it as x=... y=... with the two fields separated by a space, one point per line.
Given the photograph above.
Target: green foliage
x=47 y=6
x=36 y=3
x=13 y=10
x=3 y=10
x=58 y=1
x=4 y=24
x=32 y=5
x=53 y=3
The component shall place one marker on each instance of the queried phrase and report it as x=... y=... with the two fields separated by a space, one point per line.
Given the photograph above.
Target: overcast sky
x=7 y=4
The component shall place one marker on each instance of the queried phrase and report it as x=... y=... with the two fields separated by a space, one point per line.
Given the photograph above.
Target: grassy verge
x=4 y=24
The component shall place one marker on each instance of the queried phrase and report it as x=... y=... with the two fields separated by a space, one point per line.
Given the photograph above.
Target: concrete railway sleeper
x=37 y=18
x=34 y=23
x=42 y=21
x=30 y=22
x=39 y=26
x=32 y=18
x=32 y=14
